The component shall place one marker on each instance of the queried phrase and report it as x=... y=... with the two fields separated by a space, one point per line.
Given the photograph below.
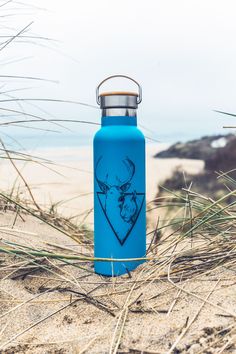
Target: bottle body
x=119 y=195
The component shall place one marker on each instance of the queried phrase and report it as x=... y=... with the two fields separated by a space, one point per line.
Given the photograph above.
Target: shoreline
x=68 y=182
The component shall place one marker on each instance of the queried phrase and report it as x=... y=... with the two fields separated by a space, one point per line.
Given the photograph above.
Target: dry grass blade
x=36 y=324
x=47 y=100
x=14 y=37
x=22 y=304
x=192 y=320
x=120 y=323
x=197 y=296
x=20 y=174
x=28 y=210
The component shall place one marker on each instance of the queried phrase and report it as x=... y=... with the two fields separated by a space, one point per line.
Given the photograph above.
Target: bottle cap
x=119 y=99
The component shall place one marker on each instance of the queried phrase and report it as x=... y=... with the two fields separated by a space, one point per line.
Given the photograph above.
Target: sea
x=41 y=141
x=28 y=138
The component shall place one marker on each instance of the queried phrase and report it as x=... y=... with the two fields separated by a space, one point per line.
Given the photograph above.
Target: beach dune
x=67 y=184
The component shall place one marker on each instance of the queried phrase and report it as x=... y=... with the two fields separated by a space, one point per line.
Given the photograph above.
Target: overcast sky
x=183 y=53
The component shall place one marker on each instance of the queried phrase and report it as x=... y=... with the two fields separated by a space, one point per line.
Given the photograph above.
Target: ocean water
x=73 y=140
x=46 y=141
x=31 y=140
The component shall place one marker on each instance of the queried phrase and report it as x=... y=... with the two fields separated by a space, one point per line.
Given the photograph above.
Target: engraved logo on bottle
x=119 y=201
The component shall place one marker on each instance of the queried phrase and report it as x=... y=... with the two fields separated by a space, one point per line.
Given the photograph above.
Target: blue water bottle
x=119 y=183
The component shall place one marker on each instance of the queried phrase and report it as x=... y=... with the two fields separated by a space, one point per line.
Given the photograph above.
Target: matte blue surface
x=119 y=206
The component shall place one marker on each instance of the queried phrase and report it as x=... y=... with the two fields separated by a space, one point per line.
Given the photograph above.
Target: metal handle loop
x=124 y=76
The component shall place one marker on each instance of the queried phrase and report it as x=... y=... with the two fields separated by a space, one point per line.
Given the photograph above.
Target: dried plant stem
x=199 y=297
x=36 y=324
x=20 y=174
x=71 y=257
x=185 y=330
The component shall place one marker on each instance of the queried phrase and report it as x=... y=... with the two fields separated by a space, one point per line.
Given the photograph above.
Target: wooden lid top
x=120 y=93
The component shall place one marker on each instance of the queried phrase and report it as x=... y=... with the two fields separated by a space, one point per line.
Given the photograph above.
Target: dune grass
x=198 y=241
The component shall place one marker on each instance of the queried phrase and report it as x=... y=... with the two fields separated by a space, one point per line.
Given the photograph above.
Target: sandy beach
x=67 y=183
x=61 y=307
x=179 y=301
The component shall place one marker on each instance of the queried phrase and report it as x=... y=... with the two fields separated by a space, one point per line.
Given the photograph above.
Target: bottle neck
x=121 y=112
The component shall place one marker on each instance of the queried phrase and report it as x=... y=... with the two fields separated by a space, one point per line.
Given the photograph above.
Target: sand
x=69 y=186
x=68 y=309
x=72 y=310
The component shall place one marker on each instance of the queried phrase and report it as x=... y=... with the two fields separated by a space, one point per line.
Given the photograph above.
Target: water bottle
x=119 y=183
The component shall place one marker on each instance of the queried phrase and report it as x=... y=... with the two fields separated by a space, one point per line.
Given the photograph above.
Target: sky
x=183 y=53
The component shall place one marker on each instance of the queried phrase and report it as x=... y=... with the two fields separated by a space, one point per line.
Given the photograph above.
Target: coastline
x=67 y=182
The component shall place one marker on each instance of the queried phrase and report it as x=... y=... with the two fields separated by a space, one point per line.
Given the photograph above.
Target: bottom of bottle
x=114 y=269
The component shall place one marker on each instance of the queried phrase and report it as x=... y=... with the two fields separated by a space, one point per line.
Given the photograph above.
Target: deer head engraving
x=114 y=189
x=122 y=184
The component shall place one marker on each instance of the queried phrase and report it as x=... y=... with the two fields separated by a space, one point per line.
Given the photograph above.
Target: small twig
x=23 y=303
x=154 y=238
x=229 y=341
x=20 y=174
x=175 y=299
x=192 y=320
x=89 y=299
x=36 y=323
x=198 y=297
